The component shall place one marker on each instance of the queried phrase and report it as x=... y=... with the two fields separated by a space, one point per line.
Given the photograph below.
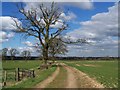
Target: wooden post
x=17 y=74
x=33 y=74
x=5 y=78
x=16 y=77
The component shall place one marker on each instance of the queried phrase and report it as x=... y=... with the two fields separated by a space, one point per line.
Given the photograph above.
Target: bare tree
x=4 y=53
x=13 y=52
x=38 y=23
x=26 y=54
x=57 y=47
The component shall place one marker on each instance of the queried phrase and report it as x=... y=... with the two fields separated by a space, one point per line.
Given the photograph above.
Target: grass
x=106 y=72
x=33 y=81
x=9 y=65
x=27 y=82
x=60 y=80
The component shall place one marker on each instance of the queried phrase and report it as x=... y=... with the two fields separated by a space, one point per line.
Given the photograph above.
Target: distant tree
x=26 y=54
x=4 y=53
x=13 y=52
x=57 y=47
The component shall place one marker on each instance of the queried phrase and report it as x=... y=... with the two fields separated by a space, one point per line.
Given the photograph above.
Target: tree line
x=13 y=52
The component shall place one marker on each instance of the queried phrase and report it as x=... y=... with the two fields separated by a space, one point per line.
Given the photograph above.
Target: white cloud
x=63 y=17
x=86 y=4
x=68 y=17
x=26 y=48
x=100 y=26
x=31 y=49
x=28 y=43
x=58 y=24
x=8 y=23
x=101 y=31
x=4 y=36
x=10 y=35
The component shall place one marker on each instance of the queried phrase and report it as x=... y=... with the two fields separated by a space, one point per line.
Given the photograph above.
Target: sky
x=95 y=21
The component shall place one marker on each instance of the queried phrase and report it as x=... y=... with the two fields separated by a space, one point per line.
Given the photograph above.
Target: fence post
x=33 y=73
x=17 y=74
x=16 y=77
x=5 y=78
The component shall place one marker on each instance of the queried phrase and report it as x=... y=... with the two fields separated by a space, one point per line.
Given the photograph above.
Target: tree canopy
x=40 y=23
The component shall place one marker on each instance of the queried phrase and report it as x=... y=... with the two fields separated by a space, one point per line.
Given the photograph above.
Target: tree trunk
x=25 y=58
x=45 y=55
x=12 y=57
x=53 y=57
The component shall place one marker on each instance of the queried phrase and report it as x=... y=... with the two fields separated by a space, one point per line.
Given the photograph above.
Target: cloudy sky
x=95 y=21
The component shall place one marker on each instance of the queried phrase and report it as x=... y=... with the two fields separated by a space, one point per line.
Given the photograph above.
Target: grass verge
x=31 y=82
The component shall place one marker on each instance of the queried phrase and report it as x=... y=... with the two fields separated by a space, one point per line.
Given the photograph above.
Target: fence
x=16 y=75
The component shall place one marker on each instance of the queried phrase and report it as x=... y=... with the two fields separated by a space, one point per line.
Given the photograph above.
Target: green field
x=105 y=72
x=8 y=65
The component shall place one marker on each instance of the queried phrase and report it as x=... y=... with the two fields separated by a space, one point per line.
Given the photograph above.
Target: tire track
x=71 y=77
x=45 y=82
x=78 y=79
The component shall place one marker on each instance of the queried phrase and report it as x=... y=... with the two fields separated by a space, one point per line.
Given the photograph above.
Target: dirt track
x=78 y=79
x=71 y=80
x=75 y=79
x=44 y=83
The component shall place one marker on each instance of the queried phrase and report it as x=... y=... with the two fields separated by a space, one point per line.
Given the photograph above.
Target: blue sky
x=81 y=18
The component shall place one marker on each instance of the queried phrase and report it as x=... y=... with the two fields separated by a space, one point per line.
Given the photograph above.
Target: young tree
x=13 y=52
x=40 y=23
x=26 y=54
x=57 y=47
x=4 y=53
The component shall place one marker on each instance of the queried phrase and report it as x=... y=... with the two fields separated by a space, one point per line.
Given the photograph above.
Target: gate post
x=5 y=78
x=17 y=74
x=33 y=73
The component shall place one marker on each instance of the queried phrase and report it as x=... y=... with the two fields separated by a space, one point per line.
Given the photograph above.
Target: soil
x=90 y=65
x=77 y=65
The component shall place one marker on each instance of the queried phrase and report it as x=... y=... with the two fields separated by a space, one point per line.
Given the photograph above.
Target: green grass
x=28 y=82
x=7 y=65
x=10 y=67
x=106 y=72
x=60 y=80
x=33 y=81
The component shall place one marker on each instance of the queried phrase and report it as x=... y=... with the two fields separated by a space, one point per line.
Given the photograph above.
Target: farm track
x=78 y=79
x=71 y=78
x=75 y=79
x=44 y=83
